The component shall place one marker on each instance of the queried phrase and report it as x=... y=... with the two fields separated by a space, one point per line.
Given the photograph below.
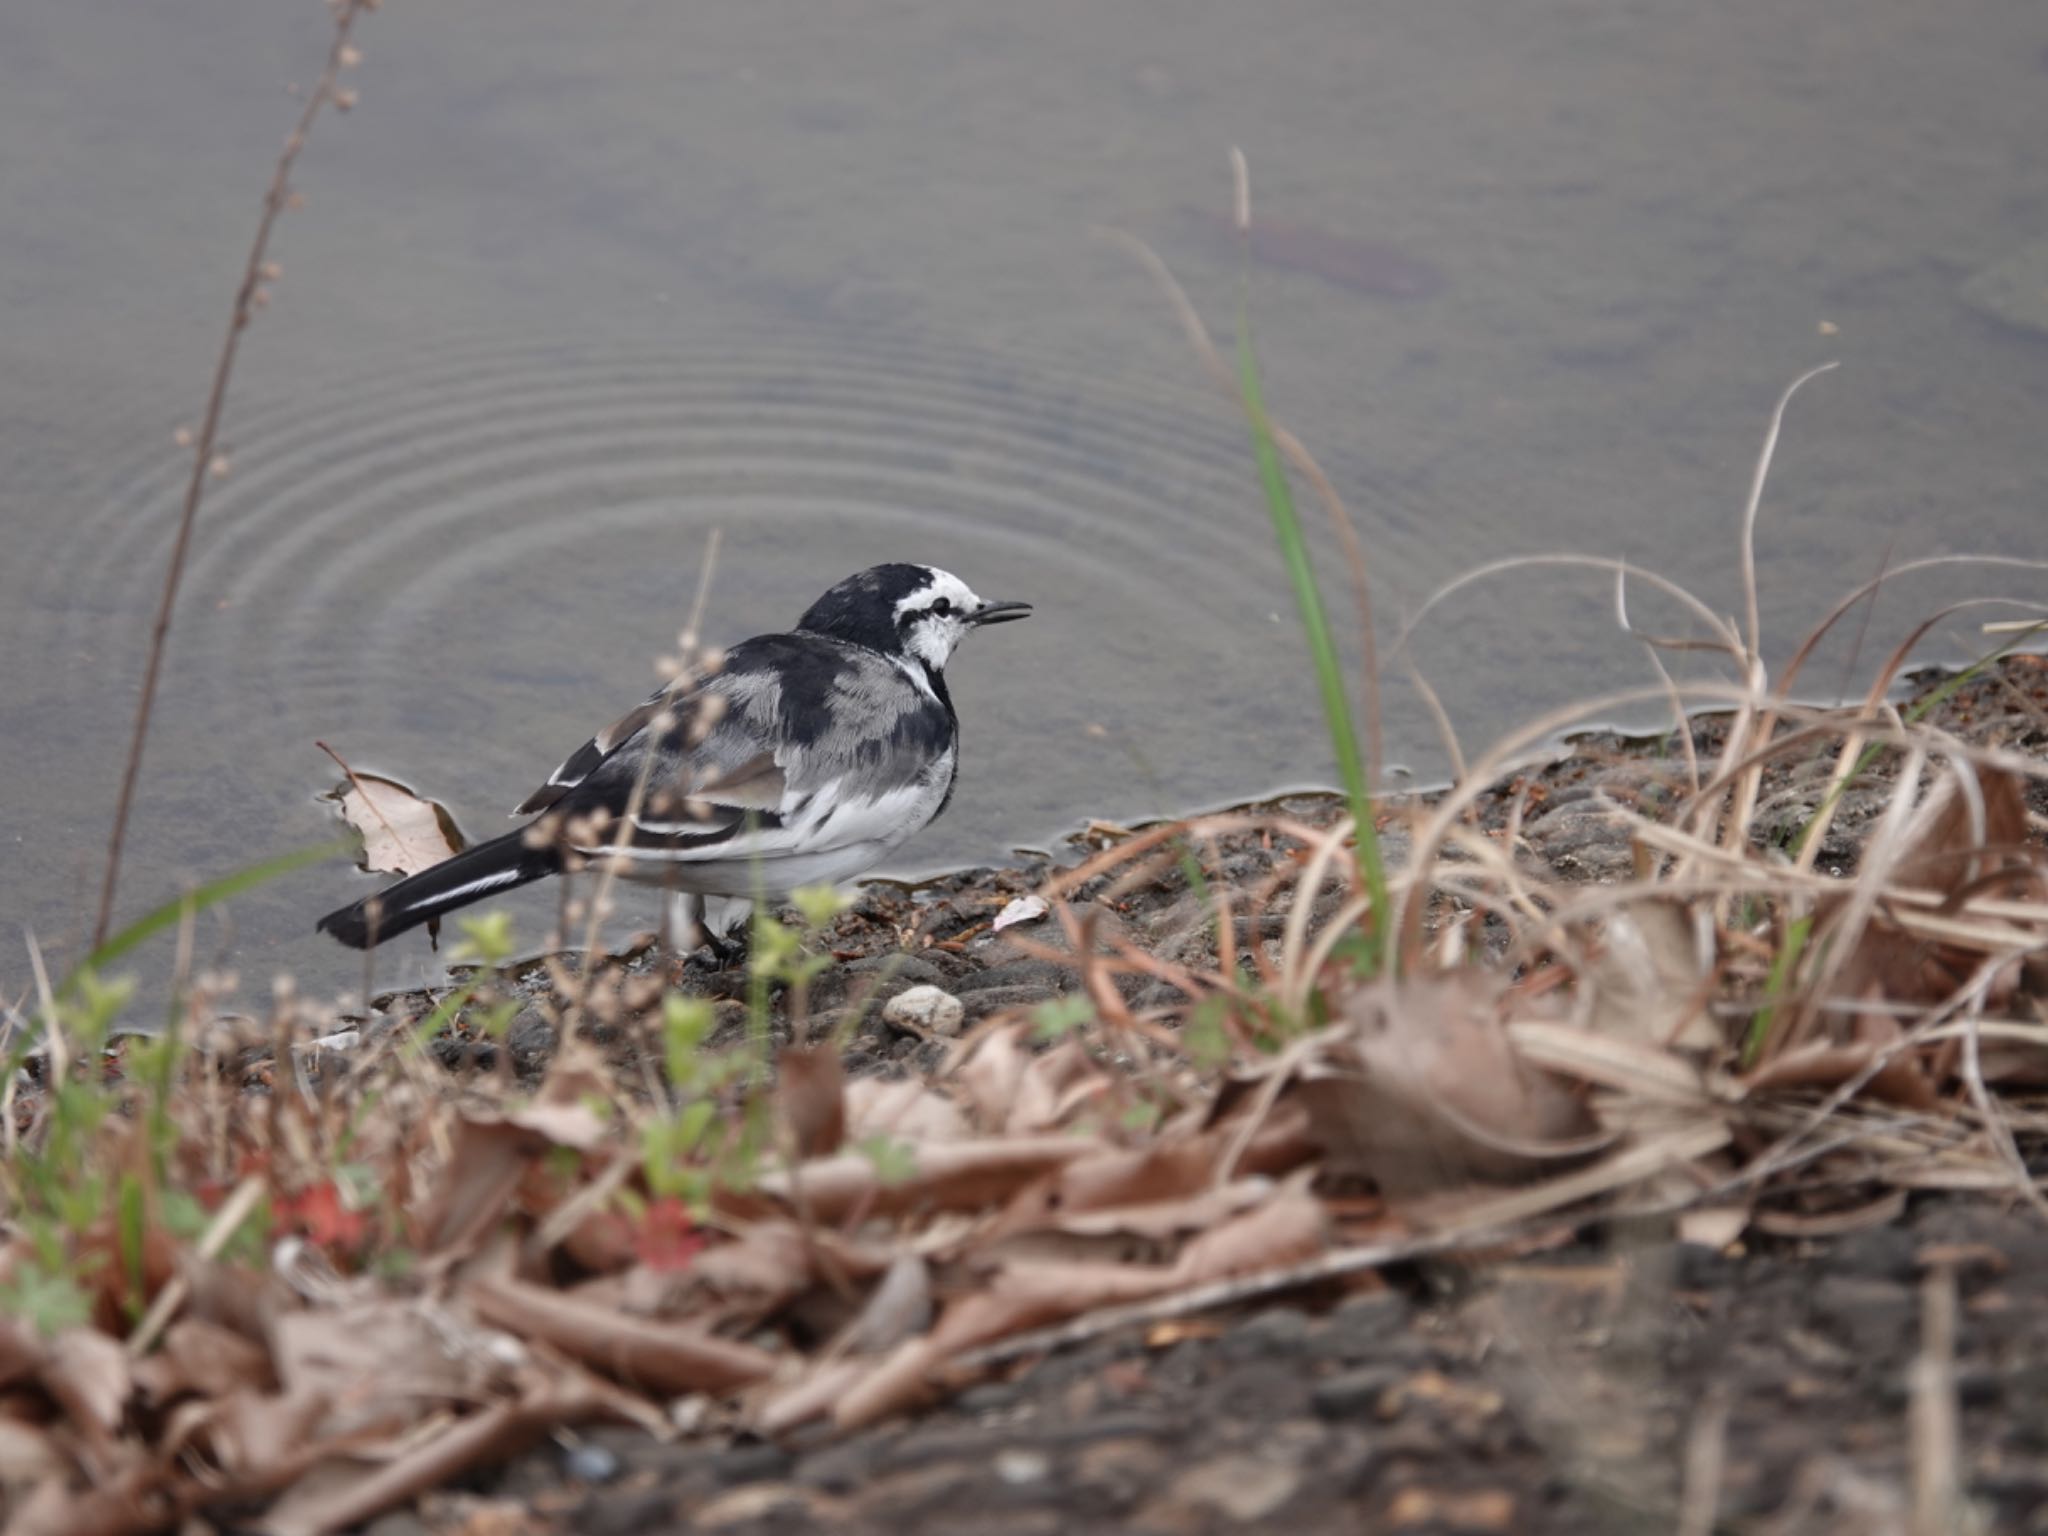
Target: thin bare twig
x=254 y=275
x=1936 y=1434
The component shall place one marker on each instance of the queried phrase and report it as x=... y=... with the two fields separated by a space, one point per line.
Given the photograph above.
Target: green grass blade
x=1315 y=627
x=199 y=899
x=1783 y=964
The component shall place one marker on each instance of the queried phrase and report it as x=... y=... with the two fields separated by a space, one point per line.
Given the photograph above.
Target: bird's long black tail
x=485 y=870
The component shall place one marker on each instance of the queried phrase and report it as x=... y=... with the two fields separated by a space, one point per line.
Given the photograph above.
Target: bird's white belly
x=773 y=875
x=825 y=839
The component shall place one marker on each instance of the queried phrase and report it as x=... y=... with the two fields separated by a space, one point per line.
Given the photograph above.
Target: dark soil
x=1552 y=1396
x=1559 y=1392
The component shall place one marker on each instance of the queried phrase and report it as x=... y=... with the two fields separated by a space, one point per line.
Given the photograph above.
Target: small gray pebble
x=588 y=1463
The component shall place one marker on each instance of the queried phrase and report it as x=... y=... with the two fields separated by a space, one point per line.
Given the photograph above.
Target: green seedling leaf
x=486 y=939
x=1207 y=1042
x=818 y=904
x=894 y=1162
x=1061 y=1016
x=49 y=1300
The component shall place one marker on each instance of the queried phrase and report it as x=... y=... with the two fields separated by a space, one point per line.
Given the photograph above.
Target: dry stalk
x=1935 y=1421
x=1706 y=1456
x=275 y=200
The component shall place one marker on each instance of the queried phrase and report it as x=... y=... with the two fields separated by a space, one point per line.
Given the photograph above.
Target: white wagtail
x=805 y=759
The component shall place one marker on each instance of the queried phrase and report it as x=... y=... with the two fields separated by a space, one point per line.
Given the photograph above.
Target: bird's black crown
x=862 y=608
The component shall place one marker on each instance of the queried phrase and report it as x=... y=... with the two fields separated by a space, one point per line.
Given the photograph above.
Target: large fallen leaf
x=403 y=832
x=1424 y=1091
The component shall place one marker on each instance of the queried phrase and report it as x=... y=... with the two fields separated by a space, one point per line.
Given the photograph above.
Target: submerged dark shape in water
x=1369 y=267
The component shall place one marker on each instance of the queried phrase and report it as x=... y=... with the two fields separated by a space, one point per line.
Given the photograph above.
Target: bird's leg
x=690 y=930
x=684 y=932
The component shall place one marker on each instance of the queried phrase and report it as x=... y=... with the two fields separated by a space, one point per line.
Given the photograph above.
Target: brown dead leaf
x=489 y=1159
x=811 y=1093
x=1031 y=1293
x=378 y=1361
x=903 y=1379
x=28 y=1456
x=21 y=1350
x=1282 y=1230
x=1945 y=851
x=763 y=1270
x=897 y=1309
x=1647 y=981
x=1012 y=1088
x=345 y=1494
x=662 y=1357
x=403 y=833
x=198 y=1356
x=812 y=1395
x=949 y=1176
x=1425 y=1092
x=1827 y=1067
x=86 y=1373
x=258 y=1439
x=902 y=1110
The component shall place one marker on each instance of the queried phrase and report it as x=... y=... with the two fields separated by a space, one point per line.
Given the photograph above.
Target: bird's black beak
x=1000 y=613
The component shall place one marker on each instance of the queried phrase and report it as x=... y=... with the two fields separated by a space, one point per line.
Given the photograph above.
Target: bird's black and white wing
x=800 y=747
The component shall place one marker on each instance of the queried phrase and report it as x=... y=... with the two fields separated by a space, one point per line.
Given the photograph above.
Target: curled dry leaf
x=1652 y=975
x=345 y=1495
x=899 y=1308
x=663 y=1357
x=1024 y=909
x=1950 y=851
x=1010 y=1087
x=1825 y=1067
x=1423 y=1091
x=403 y=832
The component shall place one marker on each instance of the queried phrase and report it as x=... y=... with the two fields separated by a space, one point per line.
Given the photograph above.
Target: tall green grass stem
x=1315 y=626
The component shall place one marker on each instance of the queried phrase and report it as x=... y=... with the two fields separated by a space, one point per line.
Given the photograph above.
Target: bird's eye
x=942 y=607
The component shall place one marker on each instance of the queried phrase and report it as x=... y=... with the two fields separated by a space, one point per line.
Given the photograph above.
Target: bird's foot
x=728 y=951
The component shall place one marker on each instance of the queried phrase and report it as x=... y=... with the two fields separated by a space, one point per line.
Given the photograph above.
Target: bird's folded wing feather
x=809 y=746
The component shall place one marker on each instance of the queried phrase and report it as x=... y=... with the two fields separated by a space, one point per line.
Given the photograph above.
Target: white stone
x=925 y=1008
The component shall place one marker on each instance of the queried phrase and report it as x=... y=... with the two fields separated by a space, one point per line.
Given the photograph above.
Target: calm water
x=576 y=285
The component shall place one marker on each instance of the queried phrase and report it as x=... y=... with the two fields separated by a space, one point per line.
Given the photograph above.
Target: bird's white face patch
x=934 y=617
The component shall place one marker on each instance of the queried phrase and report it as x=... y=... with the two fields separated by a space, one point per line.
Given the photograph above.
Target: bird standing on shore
x=805 y=759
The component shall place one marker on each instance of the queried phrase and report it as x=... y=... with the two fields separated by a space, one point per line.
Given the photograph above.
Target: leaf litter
x=328 y=1284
